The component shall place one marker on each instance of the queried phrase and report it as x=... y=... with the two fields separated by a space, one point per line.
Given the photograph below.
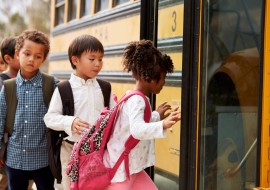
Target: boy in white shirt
x=85 y=55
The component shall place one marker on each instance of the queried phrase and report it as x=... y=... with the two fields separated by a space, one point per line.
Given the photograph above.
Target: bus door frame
x=148 y=31
x=189 y=97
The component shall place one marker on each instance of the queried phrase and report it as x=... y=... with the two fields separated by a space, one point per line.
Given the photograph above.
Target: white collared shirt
x=88 y=104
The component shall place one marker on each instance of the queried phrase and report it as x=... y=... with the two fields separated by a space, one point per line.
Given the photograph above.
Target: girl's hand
x=78 y=126
x=172 y=118
x=162 y=109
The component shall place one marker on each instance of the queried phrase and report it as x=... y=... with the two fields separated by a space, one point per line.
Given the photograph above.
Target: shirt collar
x=78 y=81
x=35 y=80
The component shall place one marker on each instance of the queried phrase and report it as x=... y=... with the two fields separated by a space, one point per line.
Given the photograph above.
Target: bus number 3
x=174 y=21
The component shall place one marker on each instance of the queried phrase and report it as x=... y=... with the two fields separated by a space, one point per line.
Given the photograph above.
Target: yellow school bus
x=221 y=53
x=116 y=23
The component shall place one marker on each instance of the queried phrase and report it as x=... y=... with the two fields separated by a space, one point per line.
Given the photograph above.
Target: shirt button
x=26 y=92
x=24 y=136
x=24 y=150
x=26 y=106
x=34 y=84
x=25 y=121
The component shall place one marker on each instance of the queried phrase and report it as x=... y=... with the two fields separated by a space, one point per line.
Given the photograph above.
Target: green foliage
x=28 y=14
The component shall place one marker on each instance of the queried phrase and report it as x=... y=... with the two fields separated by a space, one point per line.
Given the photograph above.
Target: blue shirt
x=27 y=146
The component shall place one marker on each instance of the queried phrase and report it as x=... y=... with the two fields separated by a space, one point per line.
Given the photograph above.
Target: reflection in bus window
x=101 y=5
x=72 y=9
x=118 y=2
x=59 y=12
x=86 y=6
x=231 y=54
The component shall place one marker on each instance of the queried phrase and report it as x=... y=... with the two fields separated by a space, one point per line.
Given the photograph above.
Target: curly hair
x=34 y=36
x=145 y=61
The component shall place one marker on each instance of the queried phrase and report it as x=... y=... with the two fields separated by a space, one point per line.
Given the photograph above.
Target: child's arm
x=142 y=130
x=55 y=119
x=134 y=109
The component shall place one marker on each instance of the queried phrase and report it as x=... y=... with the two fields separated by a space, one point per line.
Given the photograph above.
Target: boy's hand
x=78 y=126
x=162 y=109
x=172 y=118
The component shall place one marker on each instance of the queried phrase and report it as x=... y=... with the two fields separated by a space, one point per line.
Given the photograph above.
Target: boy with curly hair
x=27 y=154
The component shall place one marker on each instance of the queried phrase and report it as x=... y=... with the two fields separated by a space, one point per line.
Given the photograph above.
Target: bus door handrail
x=232 y=171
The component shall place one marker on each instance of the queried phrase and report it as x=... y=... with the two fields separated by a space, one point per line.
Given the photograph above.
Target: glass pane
x=86 y=6
x=169 y=41
x=118 y=2
x=102 y=5
x=229 y=96
x=72 y=9
x=59 y=1
x=59 y=15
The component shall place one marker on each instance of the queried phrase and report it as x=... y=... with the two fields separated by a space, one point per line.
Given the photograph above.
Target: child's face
x=88 y=65
x=156 y=87
x=31 y=56
x=3 y=66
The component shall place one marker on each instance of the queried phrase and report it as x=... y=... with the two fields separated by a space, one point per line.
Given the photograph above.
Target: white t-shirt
x=131 y=121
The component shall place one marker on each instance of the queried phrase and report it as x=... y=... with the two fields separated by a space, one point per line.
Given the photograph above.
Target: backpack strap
x=66 y=97
x=11 y=100
x=47 y=88
x=106 y=91
x=4 y=76
x=131 y=141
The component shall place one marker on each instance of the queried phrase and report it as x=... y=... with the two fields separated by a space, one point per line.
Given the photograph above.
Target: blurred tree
x=16 y=24
x=18 y=15
x=39 y=16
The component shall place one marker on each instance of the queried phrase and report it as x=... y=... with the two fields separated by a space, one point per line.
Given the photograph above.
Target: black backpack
x=55 y=138
x=4 y=76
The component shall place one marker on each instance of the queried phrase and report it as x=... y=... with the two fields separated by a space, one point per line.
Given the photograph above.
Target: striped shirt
x=27 y=146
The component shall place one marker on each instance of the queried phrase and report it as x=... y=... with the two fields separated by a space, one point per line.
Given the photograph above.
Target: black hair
x=145 y=61
x=84 y=43
x=8 y=47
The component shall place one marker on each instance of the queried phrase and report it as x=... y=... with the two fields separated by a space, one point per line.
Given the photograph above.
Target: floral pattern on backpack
x=86 y=168
x=85 y=147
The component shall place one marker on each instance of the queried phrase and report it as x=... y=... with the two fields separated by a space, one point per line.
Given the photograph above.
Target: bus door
x=222 y=94
x=162 y=22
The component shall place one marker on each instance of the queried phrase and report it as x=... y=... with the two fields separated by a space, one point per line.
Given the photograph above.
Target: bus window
x=118 y=2
x=101 y=5
x=59 y=12
x=86 y=7
x=72 y=9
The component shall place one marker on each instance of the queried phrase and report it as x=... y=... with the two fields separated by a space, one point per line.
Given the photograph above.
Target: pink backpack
x=86 y=168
